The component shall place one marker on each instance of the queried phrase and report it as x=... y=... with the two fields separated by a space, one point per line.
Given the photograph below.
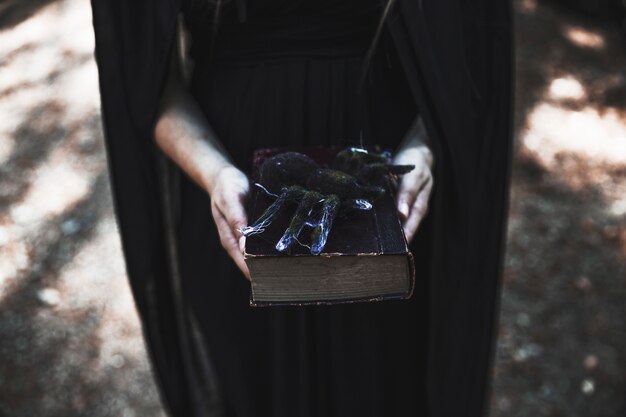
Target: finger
x=226 y=234
x=418 y=211
x=410 y=187
x=231 y=245
x=231 y=207
x=242 y=244
x=230 y=241
x=406 y=197
x=241 y=264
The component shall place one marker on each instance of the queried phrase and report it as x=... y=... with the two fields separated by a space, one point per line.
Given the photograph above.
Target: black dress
x=289 y=76
x=295 y=84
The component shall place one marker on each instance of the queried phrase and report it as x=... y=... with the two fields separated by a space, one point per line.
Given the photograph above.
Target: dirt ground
x=70 y=341
x=562 y=344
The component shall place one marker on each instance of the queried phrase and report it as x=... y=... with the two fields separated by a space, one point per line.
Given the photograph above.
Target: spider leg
x=319 y=236
x=270 y=213
x=373 y=173
x=400 y=169
x=299 y=220
x=357 y=203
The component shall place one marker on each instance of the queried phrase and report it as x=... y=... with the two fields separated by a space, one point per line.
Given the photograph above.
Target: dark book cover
x=366 y=257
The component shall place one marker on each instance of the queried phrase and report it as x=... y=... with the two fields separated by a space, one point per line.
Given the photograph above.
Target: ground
x=70 y=340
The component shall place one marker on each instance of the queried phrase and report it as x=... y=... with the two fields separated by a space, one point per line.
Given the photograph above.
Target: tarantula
x=356 y=180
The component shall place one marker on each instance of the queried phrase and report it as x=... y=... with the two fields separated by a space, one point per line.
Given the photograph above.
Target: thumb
x=405 y=198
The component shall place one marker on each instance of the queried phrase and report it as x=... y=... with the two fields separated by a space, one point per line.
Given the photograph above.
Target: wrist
x=211 y=176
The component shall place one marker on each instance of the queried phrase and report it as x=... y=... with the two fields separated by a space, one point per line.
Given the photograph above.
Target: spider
x=356 y=180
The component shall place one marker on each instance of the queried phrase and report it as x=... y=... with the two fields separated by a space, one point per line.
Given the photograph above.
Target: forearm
x=184 y=135
x=415 y=143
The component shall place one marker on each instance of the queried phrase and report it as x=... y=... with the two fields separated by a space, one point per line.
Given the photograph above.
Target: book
x=366 y=257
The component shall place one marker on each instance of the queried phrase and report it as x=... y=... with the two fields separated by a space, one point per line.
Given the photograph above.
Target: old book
x=366 y=257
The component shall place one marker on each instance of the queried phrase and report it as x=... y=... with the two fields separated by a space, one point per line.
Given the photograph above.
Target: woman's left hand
x=415 y=187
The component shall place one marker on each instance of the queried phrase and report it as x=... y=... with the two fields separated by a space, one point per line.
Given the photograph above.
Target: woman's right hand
x=229 y=191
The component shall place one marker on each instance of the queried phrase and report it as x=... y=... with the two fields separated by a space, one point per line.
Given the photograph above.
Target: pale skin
x=184 y=134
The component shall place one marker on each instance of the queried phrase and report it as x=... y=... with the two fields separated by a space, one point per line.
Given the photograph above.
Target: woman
x=287 y=73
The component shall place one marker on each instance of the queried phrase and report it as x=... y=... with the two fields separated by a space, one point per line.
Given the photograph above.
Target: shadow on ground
x=70 y=341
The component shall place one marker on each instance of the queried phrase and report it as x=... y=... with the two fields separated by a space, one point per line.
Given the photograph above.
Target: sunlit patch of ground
x=70 y=340
x=562 y=348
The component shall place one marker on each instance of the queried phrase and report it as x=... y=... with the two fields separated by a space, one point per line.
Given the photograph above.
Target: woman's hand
x=229 y=191
x=415 y=187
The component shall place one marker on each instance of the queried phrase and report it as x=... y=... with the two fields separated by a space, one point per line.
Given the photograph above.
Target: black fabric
x=259 y=90
x=459 y=55
x=456 y=55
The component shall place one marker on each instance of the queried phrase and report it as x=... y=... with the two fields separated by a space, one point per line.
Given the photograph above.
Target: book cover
x=365 y=258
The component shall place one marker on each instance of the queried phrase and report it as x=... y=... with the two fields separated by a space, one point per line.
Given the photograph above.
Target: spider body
x=356 y=180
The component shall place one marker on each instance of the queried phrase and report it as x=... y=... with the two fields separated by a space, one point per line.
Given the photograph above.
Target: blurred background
x=70 y=341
